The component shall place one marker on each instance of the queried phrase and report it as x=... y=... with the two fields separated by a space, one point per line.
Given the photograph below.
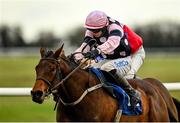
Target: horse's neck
x=65 y=68
x=76 y=86
x=77 y=83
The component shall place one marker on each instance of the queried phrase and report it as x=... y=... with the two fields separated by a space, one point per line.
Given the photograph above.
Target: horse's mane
x=72 y=61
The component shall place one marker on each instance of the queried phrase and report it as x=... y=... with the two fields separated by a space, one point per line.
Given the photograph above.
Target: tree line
x=13 y=37
x=159 y=34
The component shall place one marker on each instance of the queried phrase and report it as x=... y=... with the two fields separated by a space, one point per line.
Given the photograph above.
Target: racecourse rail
x=26 y=91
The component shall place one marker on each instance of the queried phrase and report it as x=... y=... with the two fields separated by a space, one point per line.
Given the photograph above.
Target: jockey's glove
x=92 y=54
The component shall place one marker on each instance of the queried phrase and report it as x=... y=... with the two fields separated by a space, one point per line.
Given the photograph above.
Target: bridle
x=58 y=76
x=53 y=89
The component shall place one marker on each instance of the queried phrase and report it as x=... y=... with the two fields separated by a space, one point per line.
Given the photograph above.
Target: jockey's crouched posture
x=121 y=48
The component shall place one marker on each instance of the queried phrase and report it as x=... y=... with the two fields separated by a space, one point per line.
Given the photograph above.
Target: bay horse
x=80 y=96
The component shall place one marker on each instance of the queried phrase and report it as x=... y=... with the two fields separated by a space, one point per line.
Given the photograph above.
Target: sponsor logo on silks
x=103 y=39
x=123 y=53
x=121 y=63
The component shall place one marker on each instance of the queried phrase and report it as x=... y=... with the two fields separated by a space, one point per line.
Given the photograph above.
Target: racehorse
x=80 y=97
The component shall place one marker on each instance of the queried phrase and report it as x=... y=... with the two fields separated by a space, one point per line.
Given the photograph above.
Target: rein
x=62 y=80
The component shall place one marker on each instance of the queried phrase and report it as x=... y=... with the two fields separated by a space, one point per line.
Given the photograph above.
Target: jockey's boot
x=133 y=94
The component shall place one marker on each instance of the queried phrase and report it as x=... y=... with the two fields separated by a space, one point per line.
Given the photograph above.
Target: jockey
x=121 y=48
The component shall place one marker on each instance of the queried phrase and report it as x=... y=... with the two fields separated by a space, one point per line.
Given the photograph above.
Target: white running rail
x=15 y=91
x=26 y=91
x=172 y=86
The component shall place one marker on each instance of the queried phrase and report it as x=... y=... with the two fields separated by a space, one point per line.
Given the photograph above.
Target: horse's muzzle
x=37 y=96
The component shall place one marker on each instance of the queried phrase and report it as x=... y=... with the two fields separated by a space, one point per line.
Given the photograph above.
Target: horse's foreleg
x=61 y=115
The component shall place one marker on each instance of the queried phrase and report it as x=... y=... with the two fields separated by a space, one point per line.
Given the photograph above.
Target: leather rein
x=53 y=89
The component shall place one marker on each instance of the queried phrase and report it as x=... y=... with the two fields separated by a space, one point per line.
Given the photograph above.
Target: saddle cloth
x=117 y=92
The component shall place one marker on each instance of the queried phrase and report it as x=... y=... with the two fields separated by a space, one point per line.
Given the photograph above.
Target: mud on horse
x=53 y=75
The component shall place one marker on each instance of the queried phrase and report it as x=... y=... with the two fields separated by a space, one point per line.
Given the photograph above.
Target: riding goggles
x=94 y=30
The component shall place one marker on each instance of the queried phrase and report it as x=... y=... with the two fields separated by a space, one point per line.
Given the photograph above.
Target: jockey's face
x=96 y=32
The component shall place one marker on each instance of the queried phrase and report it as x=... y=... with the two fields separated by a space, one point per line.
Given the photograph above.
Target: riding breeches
x=126 y=67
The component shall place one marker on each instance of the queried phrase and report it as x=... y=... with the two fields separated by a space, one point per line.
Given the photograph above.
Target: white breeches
x=126 y=67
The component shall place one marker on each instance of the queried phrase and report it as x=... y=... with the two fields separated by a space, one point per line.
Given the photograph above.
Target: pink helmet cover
x=96 y=20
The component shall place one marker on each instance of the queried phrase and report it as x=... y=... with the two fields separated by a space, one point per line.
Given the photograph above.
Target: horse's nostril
x=38 y=94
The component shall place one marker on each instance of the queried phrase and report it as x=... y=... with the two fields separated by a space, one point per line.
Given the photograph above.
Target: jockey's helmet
x=96 y=20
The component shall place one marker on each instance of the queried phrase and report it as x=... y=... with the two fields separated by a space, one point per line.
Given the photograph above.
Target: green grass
x=19 y=72
x=22 y=109
x=165 y=69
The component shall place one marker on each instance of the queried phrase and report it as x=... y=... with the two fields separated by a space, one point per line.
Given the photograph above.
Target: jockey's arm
x=85 y=46
x=113 y=41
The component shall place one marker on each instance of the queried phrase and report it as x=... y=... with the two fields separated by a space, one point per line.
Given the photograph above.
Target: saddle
x=116 y=92
x=108 y=76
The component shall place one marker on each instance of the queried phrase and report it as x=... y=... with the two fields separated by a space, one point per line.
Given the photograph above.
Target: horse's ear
x=58 y=52
x=62 y=54
x=42 y=51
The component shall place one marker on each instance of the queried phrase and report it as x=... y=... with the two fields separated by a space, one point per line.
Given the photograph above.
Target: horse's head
x=48 y=74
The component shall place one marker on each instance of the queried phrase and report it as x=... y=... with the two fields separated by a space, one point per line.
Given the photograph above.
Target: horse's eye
x=52 y=69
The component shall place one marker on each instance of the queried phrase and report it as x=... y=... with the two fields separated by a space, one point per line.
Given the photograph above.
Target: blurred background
x=27 y=25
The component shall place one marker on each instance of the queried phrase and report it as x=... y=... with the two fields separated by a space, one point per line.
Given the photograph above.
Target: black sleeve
x=116 y=33
x=89 y=40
